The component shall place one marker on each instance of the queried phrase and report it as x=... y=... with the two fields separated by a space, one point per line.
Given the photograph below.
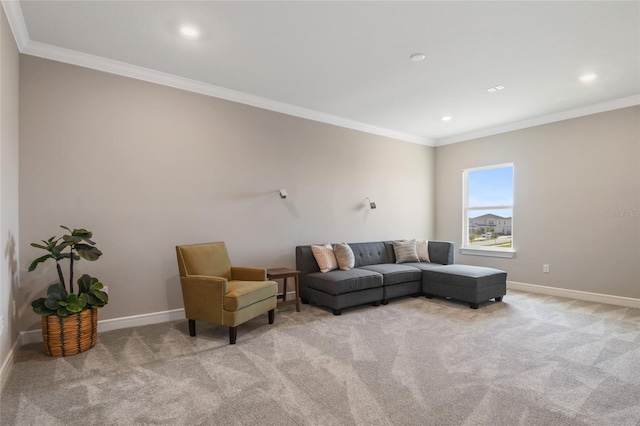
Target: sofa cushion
x=405 y=251
x=341 y=282
x=423 y=266
x=325 y=257
x=394 y=273
x=344 y=255
x=465 y=275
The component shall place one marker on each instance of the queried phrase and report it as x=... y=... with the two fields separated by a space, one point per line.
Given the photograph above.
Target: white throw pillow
x=325 y=257
x=422 y=248
x=344 y=255
x=405 y=251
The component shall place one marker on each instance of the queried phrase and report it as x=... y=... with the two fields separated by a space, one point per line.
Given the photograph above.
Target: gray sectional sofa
x=377 y=278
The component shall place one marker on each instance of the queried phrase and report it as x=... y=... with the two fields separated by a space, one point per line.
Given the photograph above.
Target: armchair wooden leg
x=192 y=327
x=272 y=314
x=233 y=333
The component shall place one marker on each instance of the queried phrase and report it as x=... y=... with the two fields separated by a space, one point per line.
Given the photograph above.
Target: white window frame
x=466 y=248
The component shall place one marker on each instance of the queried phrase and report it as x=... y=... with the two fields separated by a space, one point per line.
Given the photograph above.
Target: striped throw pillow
x=405 y=251
x=422 y=248
x=325 y=257
x=344 y=255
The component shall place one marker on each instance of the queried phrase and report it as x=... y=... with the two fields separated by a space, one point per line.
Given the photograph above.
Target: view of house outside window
x=488 y=208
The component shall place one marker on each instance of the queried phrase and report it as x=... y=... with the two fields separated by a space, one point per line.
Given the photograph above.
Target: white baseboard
x=35 y=336
x=627 y=302
x=8 y=363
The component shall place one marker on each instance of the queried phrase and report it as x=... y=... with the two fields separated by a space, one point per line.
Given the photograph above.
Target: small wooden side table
x=285 y=274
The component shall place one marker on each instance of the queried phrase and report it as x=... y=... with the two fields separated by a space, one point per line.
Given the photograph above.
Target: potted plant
x=69 y=318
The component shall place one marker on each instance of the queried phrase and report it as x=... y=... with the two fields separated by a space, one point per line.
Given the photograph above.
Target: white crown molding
x=26 y=46
x=133 y=71
x=16 y=22
x=560 y=116
x=140 y=73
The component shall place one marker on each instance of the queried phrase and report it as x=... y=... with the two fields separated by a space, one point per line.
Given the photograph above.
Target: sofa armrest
x=441 y=252
x=305 y=263
x=248 y=274
x=203 y=297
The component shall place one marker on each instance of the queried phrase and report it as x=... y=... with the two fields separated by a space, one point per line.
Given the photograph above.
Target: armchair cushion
x=245 y=293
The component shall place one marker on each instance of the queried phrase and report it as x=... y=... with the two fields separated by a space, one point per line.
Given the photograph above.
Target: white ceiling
x=347 y=63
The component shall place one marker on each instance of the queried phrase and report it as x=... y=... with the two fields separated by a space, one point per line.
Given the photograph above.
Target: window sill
x=488 y=252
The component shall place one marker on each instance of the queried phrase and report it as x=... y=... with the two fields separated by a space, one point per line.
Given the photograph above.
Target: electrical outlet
x=545 y=268
x=105 y=289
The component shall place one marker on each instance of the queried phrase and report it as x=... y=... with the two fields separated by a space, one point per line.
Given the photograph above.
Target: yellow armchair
x=216 y=292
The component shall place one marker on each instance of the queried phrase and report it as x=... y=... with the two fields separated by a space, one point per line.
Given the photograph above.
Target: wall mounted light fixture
x=283 y=193
x=372 y=205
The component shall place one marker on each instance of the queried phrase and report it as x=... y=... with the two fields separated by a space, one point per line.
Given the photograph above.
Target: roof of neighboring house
x=489 y=216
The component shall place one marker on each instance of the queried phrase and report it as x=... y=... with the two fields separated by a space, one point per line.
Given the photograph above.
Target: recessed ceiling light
x=189 y=32
x=446 y=118
x=417 y=57
x=585 y=78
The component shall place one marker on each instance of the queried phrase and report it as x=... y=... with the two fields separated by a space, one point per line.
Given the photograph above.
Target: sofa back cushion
x=372 y=253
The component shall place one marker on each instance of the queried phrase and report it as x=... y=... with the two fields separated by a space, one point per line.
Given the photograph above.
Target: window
x=488 y=211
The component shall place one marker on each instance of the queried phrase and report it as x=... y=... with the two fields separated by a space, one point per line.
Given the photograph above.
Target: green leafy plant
x=62 y=302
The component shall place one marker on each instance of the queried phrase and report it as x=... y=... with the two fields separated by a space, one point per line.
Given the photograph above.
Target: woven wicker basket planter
x=70 y=335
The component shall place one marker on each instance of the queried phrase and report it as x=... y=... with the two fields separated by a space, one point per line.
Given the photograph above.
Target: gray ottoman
x=472 y=284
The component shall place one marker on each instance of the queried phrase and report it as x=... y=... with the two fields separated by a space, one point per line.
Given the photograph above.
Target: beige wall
x=146 y=167
x=9 y=326
x=567 y=176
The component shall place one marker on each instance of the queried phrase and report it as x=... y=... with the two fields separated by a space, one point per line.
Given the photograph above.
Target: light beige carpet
x=532 y=360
